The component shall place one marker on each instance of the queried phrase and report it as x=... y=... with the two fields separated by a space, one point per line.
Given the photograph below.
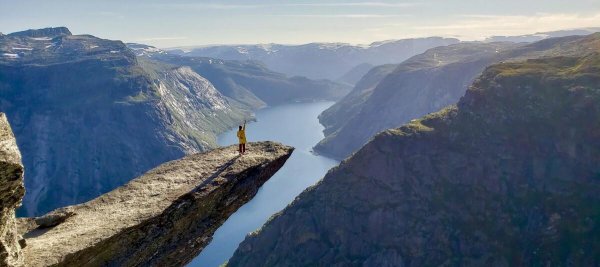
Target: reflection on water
x=296 y=125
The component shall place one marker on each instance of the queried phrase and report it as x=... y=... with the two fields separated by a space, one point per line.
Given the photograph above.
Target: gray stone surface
x=162 y=218
x=11 y=193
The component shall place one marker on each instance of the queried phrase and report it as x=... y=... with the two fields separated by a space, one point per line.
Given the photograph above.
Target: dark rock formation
x=162 y=218
x=11 y=192
x=508 y=177
x=430 y=81
x=46 y=32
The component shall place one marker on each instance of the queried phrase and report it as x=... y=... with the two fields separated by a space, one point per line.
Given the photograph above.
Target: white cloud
x=315 y=4
x=351 y=16
x=358 y=4
x=206 y=6
x=474 y=27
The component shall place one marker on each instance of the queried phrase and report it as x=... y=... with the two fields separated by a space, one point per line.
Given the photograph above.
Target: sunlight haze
x=181 y=23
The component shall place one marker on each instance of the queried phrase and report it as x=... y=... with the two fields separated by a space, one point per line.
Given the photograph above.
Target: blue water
x=292 y=124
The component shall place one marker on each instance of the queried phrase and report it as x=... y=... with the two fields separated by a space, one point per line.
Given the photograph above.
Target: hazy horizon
x=196 y=23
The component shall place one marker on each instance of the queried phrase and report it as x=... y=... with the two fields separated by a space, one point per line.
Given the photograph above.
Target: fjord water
x=291 y=124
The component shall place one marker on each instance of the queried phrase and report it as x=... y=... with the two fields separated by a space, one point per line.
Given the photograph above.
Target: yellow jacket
x=241 y=134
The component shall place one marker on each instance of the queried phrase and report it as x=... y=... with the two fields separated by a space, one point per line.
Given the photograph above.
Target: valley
x=293 y=124
x=424 y=84
x=508 y=176
x=132 y=113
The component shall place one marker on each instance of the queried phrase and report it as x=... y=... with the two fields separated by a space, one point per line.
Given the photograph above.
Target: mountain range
x=250 y=82
x=319 y=60
x=426 y=83
x=529 y=38
x=89 y=114
x=456 y=153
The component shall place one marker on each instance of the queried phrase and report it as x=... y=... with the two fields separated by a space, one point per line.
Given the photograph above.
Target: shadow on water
x=296 y=125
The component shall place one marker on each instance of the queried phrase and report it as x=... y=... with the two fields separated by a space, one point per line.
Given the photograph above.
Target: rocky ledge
x=11 y=193
x=163 y=218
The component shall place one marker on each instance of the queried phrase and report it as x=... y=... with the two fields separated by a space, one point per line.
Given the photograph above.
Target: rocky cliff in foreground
x=162 y=218
x=11 y=192
x=510 y=176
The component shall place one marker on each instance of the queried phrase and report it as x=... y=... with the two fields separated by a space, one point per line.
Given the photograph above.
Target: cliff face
x=420 y=85
x=11 y=192
x=336 y=116
x=79 y=104
x=508 y=177
x=429 y=82
x=162 y=218
x=197 y=110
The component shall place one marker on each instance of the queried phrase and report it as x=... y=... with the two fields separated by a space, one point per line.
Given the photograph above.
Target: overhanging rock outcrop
x=162 y=218
x=11 y=193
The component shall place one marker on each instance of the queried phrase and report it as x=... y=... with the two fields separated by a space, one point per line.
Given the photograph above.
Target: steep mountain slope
x=319 y=60
x=420 y=85
x=433 y=80
x=89 y=117
x=250 y=82
x=197 y=108
x=337 y=115
x=355 y=74
x=508 y=177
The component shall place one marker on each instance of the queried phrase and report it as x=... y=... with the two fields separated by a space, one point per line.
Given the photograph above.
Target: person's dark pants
x=242 y=148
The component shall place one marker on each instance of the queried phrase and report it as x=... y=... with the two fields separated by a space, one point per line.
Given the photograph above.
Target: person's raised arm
x=244 y=125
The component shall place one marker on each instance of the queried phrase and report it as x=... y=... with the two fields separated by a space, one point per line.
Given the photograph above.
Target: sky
x=186 y=23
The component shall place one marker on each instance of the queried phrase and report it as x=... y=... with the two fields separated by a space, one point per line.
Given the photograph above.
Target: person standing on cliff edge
x=241 y=134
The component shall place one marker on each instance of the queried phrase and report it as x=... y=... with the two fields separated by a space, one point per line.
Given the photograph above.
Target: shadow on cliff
x=220 y=170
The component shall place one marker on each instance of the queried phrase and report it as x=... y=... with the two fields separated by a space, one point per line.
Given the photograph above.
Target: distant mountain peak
x=144 y=50
x=393 y=41
x=538 y=36
x=45 y=32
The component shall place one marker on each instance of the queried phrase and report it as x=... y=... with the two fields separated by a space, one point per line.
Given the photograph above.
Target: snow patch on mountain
x=11 y=55
x=144 y=50
x=40 y=38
